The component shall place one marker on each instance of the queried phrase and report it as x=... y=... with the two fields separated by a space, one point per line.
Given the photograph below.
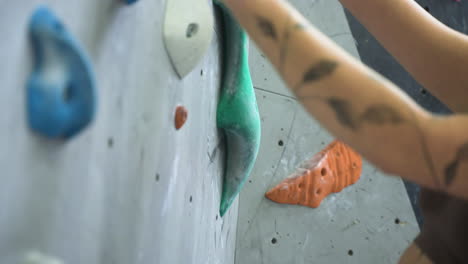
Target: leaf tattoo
x=451 y=169
x=343 y=112
x=376 y=114
x=318 y=71
x=267 y=27
x=380 y=115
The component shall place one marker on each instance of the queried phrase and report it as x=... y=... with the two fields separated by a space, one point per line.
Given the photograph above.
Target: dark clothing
x=444 y=236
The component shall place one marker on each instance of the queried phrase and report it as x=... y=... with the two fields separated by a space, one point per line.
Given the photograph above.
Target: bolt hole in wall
x=192 y=29
x=350 y=252
x=274 y=240
x=157 y=177
x=397 y=221
x=280 y=143
x=191 y=198
x=323 y=172
x=110 y=142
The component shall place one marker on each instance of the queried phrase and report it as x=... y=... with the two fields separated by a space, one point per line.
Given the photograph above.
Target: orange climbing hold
x=180 y=117
x=329 y=171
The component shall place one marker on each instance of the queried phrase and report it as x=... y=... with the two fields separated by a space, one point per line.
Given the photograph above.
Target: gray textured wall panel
x=129 y=189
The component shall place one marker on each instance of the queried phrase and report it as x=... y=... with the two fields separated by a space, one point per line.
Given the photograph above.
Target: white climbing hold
x=188 y=30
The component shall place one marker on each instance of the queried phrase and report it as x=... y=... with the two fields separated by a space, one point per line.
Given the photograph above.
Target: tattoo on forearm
x=317 y=72
x=451 y=169
x=343 y=111
x=269 y=30
x=267 y=27
x=320 y=70
x=380 y=115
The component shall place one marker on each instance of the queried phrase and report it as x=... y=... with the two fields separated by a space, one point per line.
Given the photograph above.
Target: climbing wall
x=130 y=188
x=369 y=222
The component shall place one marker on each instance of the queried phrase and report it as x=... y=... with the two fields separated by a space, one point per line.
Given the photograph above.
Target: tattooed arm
x=355 y=103
x=432 y=52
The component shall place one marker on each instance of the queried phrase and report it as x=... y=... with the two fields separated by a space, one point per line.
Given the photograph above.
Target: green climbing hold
x=237 y=113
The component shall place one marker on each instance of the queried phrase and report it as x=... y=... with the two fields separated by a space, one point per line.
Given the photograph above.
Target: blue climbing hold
x=130 y=1
x=61 y=97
